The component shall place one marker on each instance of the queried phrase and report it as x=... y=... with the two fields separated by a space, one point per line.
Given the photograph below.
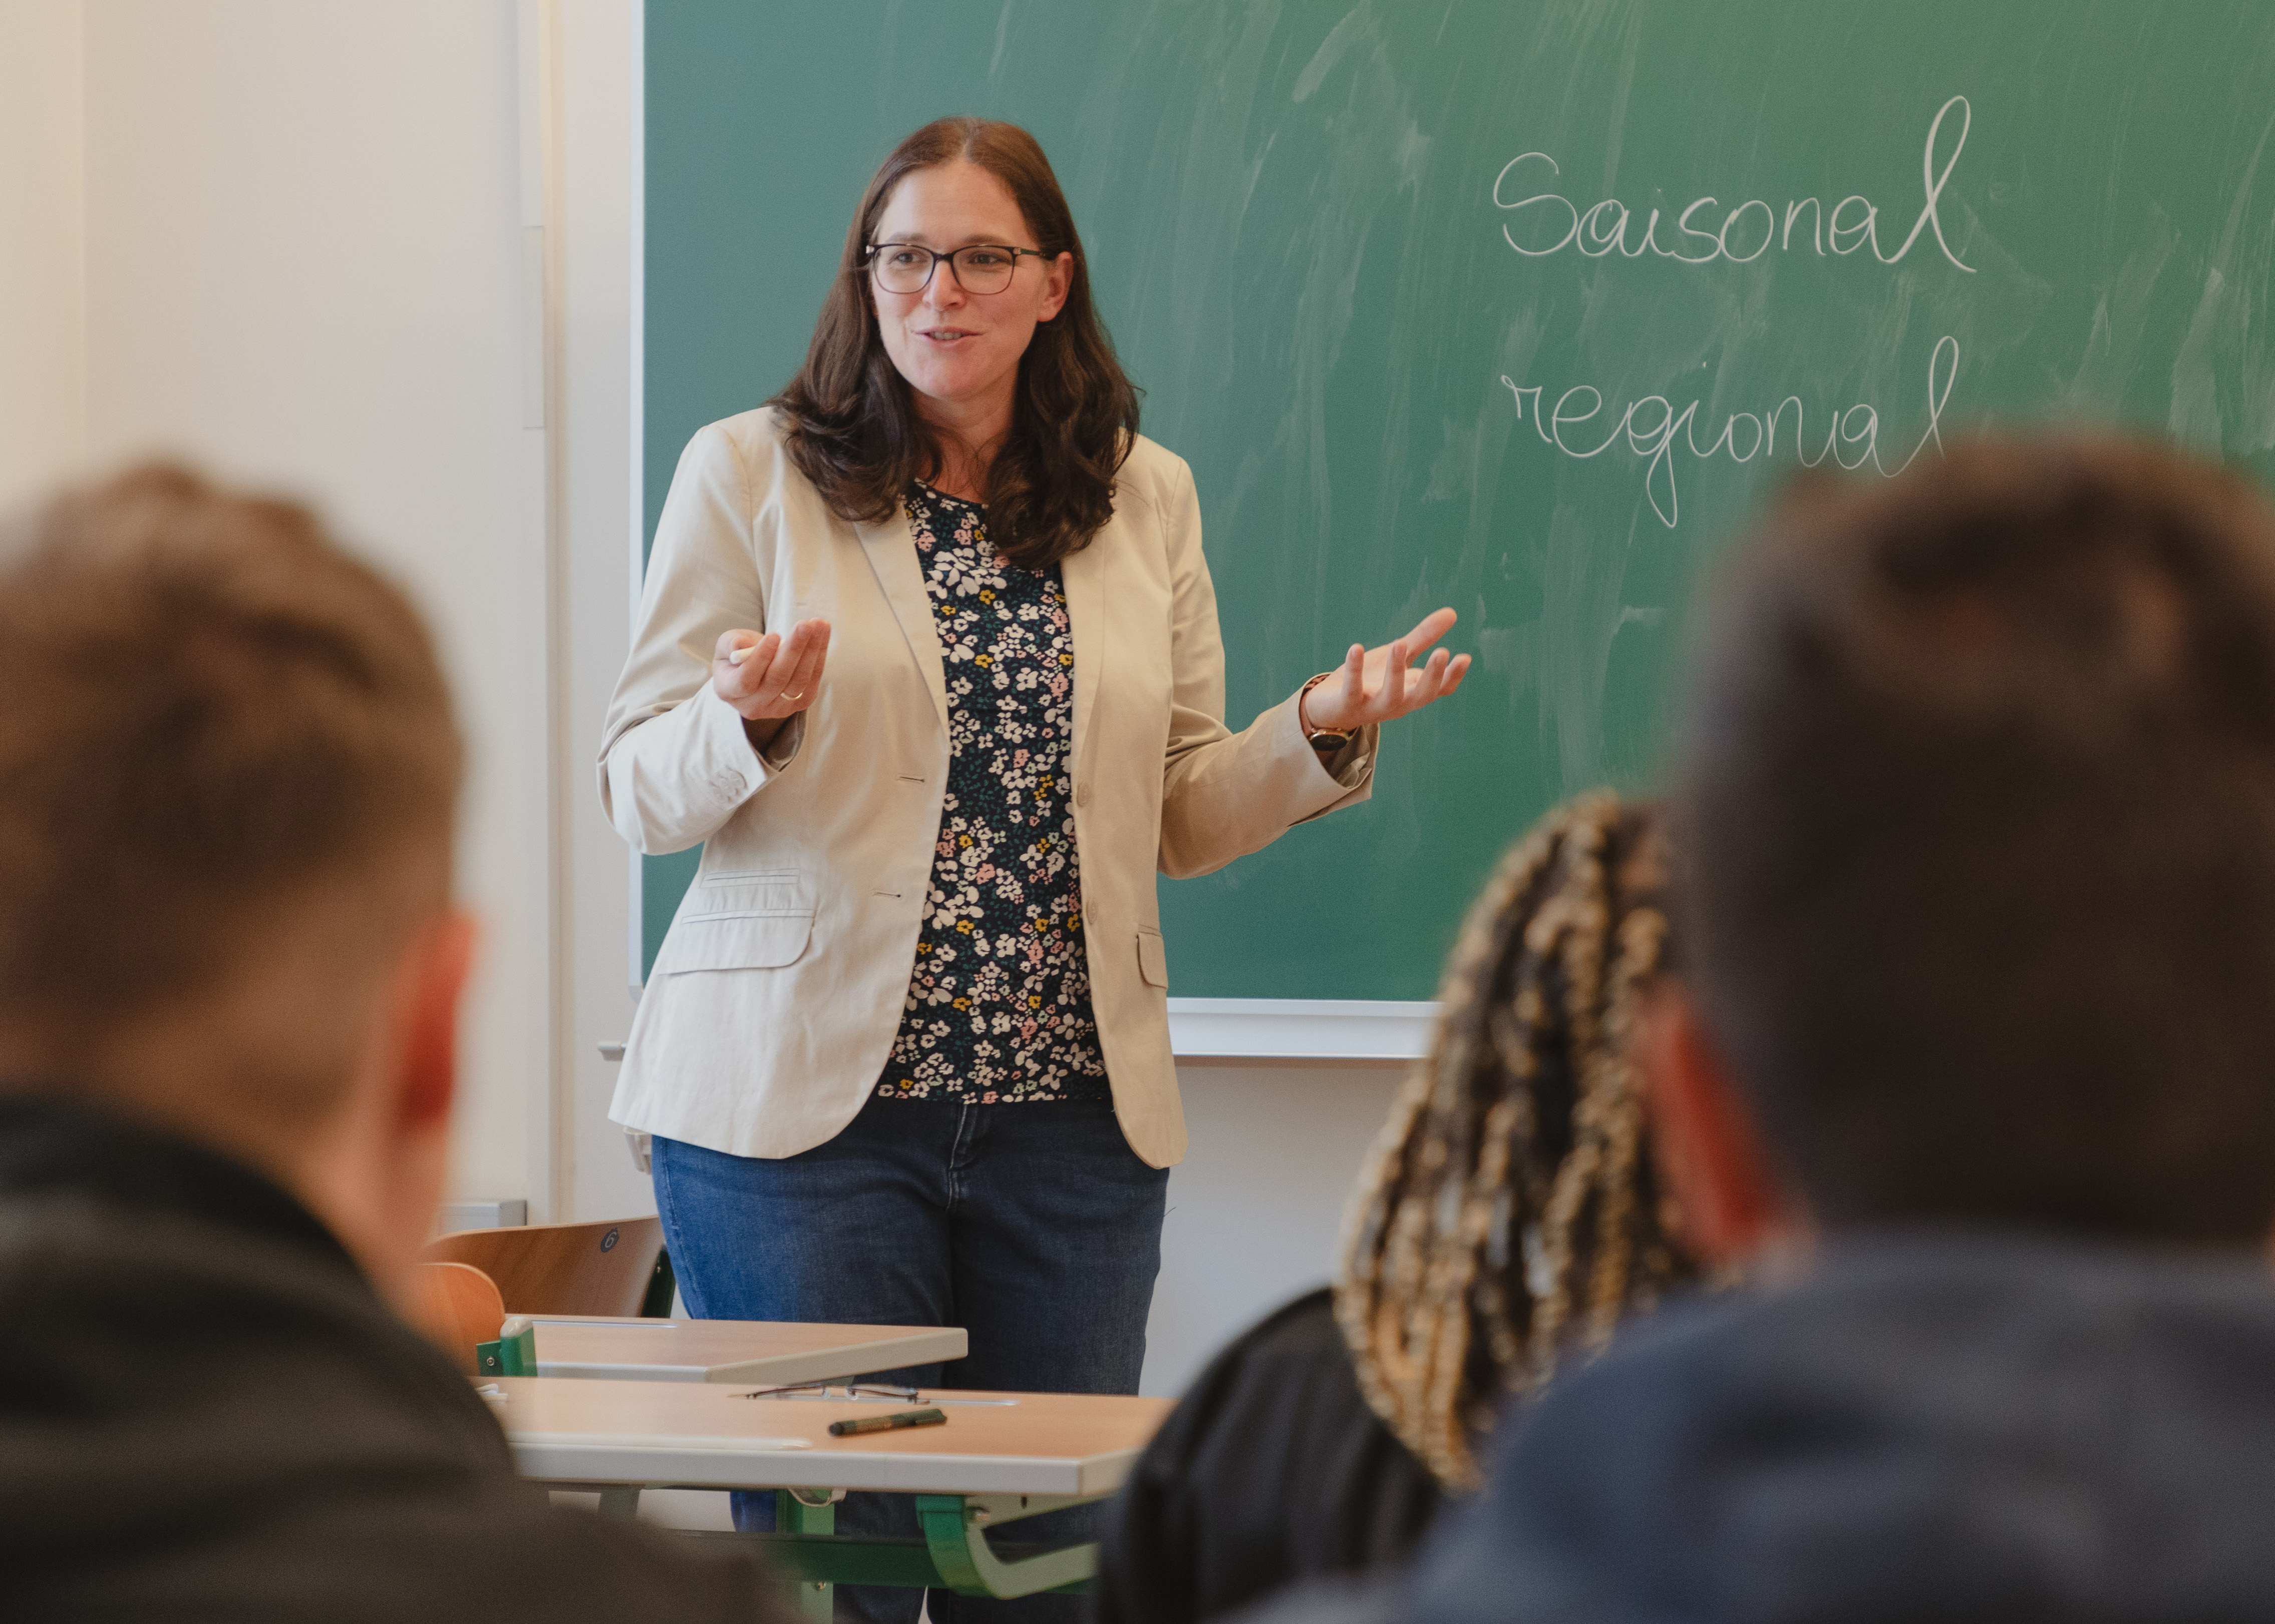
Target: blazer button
x=1082 y=795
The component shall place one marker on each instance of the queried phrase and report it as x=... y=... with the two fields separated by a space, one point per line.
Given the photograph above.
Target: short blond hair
x=212 y=711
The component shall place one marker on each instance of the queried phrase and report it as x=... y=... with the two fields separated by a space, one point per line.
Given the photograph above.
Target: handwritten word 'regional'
x=1649 y=425
x=1743 y=237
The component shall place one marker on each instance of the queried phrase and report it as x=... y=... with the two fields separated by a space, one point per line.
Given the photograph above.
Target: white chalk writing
x=1743 y=237
x=1649 y=427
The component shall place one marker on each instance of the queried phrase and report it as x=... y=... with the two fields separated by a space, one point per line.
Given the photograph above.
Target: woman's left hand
x=1376 y=684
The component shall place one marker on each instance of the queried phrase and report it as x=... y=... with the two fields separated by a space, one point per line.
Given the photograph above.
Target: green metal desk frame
x=954 y=1553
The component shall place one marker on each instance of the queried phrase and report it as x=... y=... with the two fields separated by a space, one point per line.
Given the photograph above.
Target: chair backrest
x=457 y=1306
x=600 y=1268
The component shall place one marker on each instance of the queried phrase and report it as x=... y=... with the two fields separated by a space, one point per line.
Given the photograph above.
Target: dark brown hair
x=1978 y=802
x=850 y=425
x=211 y=710
x=1510 y=1213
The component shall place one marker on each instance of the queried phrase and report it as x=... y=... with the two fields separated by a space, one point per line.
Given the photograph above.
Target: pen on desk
x=883 y=1424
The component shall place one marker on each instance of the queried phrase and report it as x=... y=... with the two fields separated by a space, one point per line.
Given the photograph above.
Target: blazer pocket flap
x=1152 y=959
x=751 y=938
x=751 y=891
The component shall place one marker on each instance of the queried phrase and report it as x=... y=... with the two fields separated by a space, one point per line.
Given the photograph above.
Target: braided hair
x=1510 y=1213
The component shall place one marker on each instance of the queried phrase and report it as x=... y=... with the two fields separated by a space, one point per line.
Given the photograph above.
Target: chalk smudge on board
x=2220 y=331
x=2120 y=317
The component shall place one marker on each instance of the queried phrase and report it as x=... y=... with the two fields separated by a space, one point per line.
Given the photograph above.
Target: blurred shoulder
x=1293 y=1363
x=1302 y=1329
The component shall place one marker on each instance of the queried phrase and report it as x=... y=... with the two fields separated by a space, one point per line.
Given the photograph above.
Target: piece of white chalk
x=736 y=656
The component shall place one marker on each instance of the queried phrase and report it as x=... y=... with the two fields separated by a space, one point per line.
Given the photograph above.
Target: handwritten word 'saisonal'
x=1743 y=236
x=1649 y=427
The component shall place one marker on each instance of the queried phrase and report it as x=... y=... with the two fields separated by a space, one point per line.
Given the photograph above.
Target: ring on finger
x=793 y=696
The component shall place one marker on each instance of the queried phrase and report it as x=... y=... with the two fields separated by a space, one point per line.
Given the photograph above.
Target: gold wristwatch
x=1327 y=741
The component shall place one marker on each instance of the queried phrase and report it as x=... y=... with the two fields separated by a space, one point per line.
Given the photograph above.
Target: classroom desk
x=755 y=1352
x=1000 y=1457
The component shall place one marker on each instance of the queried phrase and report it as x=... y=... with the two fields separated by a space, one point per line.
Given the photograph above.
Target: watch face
x=1325 y=740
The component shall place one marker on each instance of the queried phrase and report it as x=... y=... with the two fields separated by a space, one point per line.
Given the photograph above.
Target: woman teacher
x=928 y=656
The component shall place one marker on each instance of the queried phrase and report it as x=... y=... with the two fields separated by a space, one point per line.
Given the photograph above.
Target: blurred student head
x=227 y=772
x=1977 y=811
x=1510 y=1214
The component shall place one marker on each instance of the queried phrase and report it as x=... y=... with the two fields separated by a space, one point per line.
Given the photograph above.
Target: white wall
x=303 y=268
x=1256 y=1207
x=300 y=238
x=42 y=393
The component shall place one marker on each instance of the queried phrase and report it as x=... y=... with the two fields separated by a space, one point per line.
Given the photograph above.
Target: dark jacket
x=205 y=1413
x=1270 y=1469
x=1929 y=1427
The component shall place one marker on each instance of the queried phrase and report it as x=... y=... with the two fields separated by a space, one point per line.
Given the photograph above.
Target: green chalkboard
x=1427 y=294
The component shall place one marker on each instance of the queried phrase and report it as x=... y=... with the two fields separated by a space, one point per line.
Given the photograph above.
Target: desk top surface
x=708 y=1435
x=758 y=1352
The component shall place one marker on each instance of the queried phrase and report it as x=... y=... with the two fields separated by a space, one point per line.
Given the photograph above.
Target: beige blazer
x=777 y=993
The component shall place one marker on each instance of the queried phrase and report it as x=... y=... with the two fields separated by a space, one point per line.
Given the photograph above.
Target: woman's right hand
x=777 y=675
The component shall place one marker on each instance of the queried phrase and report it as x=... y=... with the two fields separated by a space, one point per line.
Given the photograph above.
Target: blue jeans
x=1033 y=1226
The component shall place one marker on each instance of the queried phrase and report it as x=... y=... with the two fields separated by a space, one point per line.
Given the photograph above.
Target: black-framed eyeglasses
x=978 y=267
x=822 y=1390
x=856 y=1392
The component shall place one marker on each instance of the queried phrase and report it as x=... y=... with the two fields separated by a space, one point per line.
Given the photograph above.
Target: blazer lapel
x=1084 y=574
x=892 y=552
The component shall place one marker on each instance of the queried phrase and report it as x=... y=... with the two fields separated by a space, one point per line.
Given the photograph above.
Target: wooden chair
x=615 y=1267
x=457 y=1306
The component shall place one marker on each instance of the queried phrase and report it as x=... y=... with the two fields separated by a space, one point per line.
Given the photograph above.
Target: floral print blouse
x=998 y=1010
